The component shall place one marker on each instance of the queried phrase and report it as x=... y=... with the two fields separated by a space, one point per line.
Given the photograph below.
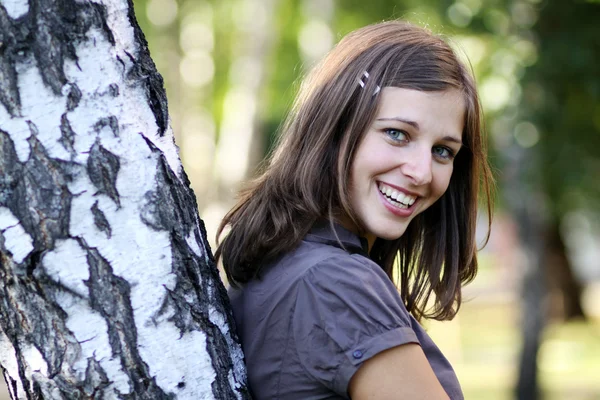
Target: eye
x=396 y=134
x=443 y=152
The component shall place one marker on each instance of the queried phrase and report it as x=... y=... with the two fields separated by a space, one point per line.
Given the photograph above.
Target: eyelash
x=389 y=132
x=450 y=153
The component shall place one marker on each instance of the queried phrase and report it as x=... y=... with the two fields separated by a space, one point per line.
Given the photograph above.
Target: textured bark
x=108 y=288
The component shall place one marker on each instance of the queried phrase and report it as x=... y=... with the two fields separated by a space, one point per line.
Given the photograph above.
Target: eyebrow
x=415 y=125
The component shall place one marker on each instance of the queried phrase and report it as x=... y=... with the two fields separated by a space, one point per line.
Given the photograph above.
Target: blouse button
x=357 y=354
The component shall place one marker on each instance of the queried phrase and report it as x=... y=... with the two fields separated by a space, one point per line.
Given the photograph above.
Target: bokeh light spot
x=161 y=12
x=523 y=14
x=315 y=39
x=460 y=15
x=197 y=68
x=196 y=36
x=527 y=52
x=497 y=21
x=526 y=134
x=495 y=93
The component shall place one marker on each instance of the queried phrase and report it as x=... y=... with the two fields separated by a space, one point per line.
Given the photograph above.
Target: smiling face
x=405 y=160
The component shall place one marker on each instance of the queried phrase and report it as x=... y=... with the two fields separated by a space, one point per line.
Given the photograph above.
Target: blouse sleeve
x=347 y=310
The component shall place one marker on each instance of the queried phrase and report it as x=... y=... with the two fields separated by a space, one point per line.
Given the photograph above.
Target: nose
x=418 y=166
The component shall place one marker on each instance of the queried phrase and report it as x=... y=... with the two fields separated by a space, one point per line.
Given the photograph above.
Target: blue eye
x=396 y=134
x=443 y=152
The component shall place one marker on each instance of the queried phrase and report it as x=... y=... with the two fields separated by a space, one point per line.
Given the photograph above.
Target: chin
x=390 y=233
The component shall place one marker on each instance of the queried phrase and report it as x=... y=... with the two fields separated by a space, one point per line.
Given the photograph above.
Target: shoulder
x=320 y=258
x=351 y=282
x=346 y=311
x=340 y=272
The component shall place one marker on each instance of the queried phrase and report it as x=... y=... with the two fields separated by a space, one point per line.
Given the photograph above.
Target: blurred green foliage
x=561 y=97
x=536 y=62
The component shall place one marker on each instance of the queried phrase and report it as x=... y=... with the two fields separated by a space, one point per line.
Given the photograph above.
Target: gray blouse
x=317 y=313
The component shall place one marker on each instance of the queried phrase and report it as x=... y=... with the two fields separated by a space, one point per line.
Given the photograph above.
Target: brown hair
x=306 y=179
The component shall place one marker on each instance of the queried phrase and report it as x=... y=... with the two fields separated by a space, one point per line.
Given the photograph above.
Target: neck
x=347 y=223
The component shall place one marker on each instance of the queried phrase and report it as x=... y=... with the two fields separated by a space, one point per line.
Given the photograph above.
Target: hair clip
x=362 y=83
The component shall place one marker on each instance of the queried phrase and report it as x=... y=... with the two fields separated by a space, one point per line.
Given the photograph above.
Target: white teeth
x=395 y=203
x=399 y=199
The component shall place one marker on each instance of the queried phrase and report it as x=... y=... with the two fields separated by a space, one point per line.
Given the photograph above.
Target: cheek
x=441 y=182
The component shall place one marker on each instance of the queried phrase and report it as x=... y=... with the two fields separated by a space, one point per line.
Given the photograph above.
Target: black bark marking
x=54 y=288
x=10 y=170
x=47 y=193
x=50 y=31
x=36 y=193
x=28 y=311
x=40 y=184
x=67 y=136
x=151 y=213
x=9 y=92
x=102 y=168
x=100 y=220
x=12 y=384
x=145 y=71
x=113 y=90
x=49 y=47
x=110 y=296
x=73 y=97
x=32 y=128
x=33 y=261
x=112 y=122
x=150 y=144
x=57 y=26
x=98 y=18
x=162 y=210
x=171 y=208
x=191 y=317
x=95 y=379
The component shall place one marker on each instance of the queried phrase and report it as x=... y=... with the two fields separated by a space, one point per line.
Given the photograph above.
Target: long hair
x=307 y=177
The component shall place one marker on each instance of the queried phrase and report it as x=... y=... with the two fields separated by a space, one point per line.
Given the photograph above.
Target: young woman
x=375 y=180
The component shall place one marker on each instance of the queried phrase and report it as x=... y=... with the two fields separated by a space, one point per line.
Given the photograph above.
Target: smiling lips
x=396 y=197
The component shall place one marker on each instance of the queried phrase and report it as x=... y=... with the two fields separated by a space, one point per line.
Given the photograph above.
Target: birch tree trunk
x=108 y=289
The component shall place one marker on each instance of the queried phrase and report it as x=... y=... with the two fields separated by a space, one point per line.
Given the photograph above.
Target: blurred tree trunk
x=527 y=204
x=560 y=93
x=549 y=289
x=241 y=144
x=564 y=288
x=107 y=286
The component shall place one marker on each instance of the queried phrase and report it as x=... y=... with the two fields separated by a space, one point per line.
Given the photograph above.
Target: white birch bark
x=108 y=289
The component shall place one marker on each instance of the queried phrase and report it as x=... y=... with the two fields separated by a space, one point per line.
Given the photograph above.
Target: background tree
x=559 y=113
x=108 y=288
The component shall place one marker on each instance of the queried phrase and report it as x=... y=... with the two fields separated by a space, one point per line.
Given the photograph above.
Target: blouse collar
x=336 y=235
